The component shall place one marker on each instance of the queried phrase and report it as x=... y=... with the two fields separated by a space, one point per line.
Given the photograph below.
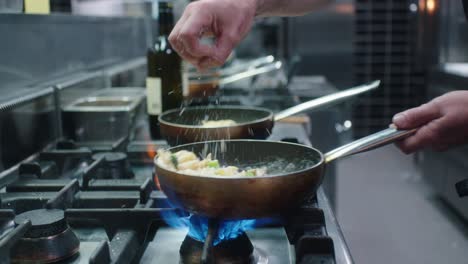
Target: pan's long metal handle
x=370 y=142
x=241 y=67
x=251 y=72
x=327 y=100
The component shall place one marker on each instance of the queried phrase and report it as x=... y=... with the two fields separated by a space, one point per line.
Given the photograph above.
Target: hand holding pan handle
x=370 y=142
x=327 y=100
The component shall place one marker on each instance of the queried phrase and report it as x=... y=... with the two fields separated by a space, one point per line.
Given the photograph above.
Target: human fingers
x=454 y=129
x=206 y=63
x=218 y=54
x=199 y=21
x=427 y=135
x=174 y=39
x=417 y=116
x=187 y=56
x=224 y=46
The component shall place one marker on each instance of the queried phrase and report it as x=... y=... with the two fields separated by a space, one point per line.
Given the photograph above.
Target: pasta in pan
x=187 y=162
x=218 y=123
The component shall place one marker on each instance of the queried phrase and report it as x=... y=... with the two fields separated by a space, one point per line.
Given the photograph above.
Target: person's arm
x=228 y=21
x=288 y=8
x=442 y=123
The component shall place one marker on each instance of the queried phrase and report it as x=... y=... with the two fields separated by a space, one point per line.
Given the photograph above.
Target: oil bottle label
x=153 y=95
x=37 y=6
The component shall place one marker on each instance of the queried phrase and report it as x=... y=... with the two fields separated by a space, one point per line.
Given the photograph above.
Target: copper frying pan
x=255 y=197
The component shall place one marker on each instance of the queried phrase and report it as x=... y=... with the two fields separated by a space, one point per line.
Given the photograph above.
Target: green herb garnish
x=213 y=164
x=174 y=161
x=251 y=173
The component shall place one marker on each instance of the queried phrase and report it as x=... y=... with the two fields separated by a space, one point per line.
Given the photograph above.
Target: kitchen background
x=392 y=208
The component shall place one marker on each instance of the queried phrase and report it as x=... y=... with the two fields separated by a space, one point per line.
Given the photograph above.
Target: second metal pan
x=180 y=126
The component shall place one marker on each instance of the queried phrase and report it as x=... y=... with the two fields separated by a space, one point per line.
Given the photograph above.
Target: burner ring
x=44 y=222
x=116 y=166
x=46 y=250
x=235 y=251
x=49 y=239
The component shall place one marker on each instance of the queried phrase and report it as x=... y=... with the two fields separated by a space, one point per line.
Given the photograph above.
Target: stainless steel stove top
x=115 y=219
x=118 y=220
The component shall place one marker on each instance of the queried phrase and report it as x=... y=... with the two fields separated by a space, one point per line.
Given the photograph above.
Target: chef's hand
x=227 y=21
x=442 y=123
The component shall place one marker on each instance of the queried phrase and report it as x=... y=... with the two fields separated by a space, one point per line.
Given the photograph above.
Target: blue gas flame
x=198 y=226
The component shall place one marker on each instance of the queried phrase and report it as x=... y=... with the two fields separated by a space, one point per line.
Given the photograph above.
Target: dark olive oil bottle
x=165 y=83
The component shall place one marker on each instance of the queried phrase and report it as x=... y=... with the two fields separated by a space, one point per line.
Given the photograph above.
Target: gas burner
x=49 y=239
x=115 y=166
x=235 y=251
